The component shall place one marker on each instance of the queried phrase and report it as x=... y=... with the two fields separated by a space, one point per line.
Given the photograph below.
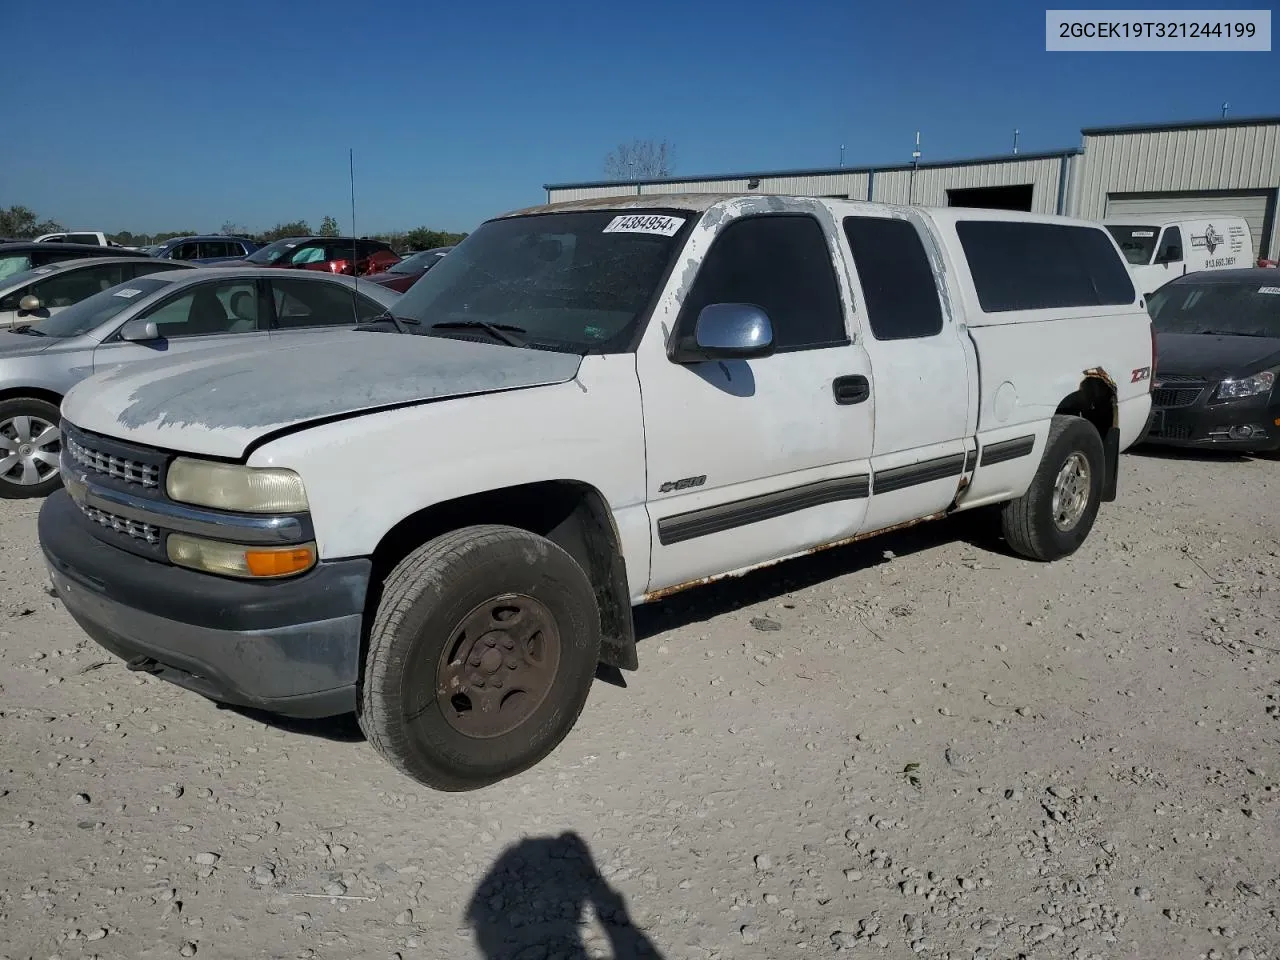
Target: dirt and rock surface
x=919 y=746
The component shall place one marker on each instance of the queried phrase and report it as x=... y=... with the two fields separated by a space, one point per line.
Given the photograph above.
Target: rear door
x=205 y=315
x=922 y=369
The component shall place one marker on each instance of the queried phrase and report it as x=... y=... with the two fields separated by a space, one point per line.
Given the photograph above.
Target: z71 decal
x=1140 y=374
x=684 y=484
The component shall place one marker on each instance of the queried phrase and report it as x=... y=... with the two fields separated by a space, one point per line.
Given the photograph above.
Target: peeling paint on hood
x=218 y=402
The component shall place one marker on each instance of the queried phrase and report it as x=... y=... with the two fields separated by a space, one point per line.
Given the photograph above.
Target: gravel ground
x=919 y=746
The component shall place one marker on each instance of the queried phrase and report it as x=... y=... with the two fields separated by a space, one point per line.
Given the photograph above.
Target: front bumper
x=288 y=646
x=1187 y=419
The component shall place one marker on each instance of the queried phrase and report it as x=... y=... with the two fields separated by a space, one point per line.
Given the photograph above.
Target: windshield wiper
x=496 y=330
x=29 y=330
x=1229 y=333
x=395 y=321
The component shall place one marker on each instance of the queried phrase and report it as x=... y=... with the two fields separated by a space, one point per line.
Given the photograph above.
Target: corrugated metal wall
x=1168 y=161
x=932 y=183
x=852 y=185
x=1212 y=158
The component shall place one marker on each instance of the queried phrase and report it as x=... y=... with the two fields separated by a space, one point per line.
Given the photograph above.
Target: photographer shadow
x=530 y=905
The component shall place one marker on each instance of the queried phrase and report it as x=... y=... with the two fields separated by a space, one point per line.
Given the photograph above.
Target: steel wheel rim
x=29 y=449
x=1071 y=491
x=498 y=666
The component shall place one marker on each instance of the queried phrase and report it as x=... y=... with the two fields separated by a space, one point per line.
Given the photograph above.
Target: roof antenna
x=355 y=262
x=1225 y=104
x=1015 y=140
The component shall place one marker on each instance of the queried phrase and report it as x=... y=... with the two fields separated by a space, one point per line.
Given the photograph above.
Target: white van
x=1159 y=250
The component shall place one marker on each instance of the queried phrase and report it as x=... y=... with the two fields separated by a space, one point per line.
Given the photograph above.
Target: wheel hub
x=29 y=448
x=1071 y=491
x=498 y=667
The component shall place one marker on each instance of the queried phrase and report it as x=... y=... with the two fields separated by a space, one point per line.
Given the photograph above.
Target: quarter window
x=1019 y=265
x=897 y=281
x=782 y=264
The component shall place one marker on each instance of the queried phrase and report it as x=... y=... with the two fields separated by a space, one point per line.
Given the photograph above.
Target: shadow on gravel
x=530 y=905
x=979 y=528
x=341 y=729
x=1191 y=455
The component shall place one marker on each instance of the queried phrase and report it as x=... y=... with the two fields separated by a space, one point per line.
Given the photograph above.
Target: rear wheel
x=1055 y=515
x=30 y=442
x=481 y=657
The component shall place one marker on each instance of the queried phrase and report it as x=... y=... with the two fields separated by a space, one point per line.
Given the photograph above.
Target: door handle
x=851 y=389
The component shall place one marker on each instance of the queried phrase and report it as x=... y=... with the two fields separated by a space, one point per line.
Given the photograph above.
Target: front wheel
x=481 y=656
x=1054 y=516
x=30 y=441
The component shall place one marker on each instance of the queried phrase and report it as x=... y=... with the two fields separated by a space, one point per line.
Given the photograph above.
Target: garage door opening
x=1017 y=197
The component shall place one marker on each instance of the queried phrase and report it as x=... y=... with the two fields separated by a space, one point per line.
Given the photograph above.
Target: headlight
x=1245 y=387
x=239 y=560
x=229 y=486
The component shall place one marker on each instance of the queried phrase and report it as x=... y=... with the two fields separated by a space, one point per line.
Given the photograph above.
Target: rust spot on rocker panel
x=666 y=592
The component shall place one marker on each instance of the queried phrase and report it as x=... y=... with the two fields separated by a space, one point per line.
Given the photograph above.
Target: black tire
x=11 y=412
x=428 y=597
x=1029 y=522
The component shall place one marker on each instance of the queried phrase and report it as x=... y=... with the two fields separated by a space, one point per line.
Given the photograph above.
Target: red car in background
x=351 y=256
x=403 y=275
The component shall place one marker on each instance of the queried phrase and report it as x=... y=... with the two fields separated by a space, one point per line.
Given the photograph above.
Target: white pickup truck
x=442 y=522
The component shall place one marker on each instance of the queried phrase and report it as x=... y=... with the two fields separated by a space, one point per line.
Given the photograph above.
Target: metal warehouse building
x=1223 y=167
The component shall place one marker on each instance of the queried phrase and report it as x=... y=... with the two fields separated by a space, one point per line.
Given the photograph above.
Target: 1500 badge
x=684 y=484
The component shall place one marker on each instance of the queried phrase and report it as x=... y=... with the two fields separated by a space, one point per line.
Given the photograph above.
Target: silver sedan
x=152 y=316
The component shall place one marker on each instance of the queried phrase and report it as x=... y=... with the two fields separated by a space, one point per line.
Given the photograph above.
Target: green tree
x=19 y=221
x=424 y=238
x=230 y=228
x=329 y=227
x=296 y=228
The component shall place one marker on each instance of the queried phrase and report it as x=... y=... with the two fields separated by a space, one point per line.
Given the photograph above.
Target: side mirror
x=140 y=331
x=727 y=331
x=30 y=303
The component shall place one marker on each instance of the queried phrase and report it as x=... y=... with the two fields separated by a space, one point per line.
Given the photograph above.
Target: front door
x=750 y=460
x=206 y=315
x=923 y=368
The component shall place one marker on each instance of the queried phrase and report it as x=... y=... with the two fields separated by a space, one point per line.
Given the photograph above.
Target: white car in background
x=1159 y=250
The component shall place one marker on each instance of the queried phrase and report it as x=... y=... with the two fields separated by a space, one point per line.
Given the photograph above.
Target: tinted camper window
x=1042 y=266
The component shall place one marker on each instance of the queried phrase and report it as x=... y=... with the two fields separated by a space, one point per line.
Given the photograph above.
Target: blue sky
x=149 y=116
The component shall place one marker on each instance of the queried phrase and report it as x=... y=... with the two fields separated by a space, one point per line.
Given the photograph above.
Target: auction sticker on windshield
x=646 y=223
x=126 y=293
x=1275 y=290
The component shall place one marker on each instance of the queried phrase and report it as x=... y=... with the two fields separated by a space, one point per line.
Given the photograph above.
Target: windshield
x=417 y=262
x=1136 y=243
x=571 y=281
x=14 y=263
x=274 y=251
x=1241 y=308
x=92 y=311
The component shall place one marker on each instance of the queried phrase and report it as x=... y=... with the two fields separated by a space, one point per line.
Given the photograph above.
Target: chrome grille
x=146 y=532
x=131 y=471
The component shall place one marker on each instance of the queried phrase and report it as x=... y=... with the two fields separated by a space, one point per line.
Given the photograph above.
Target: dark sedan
x=23 y=255
x=1217 y=359
x=403 y=275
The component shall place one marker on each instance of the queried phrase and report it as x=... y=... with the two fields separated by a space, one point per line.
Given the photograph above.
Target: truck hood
x=218 y=402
